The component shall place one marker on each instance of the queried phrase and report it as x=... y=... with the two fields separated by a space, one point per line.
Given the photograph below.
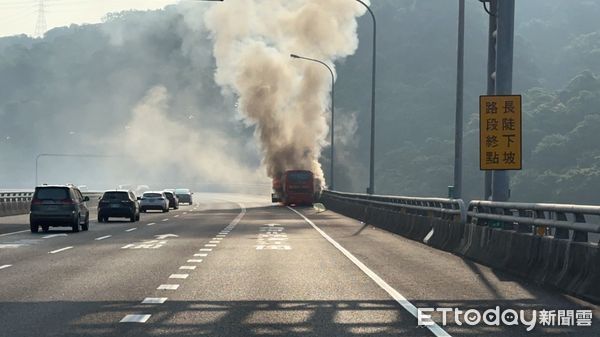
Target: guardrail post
x=579 y=236
x=561 y=233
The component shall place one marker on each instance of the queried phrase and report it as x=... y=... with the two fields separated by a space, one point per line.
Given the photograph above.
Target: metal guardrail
x=15 y=203
x=433 y=207
x=559 y=220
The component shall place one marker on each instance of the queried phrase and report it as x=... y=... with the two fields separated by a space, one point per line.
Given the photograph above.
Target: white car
x=156 y=200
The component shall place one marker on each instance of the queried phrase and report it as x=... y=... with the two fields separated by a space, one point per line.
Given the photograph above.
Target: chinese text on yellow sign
x=500 y=132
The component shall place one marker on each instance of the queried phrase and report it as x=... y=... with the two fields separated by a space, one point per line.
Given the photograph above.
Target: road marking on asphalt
x=176 y=216
x=206 y=249
x=167 y=219
x=7 y=234
x=60 y=250
x=5 y=266
x=434 y=328
x=135 y=318
x=210 y=245
x=217 y=238
x=151 y=224
x=200 y=255
x=221 y=236
x=187 y=267
x=184 y=213
x=214 y=241
x=131 y=229
x=194 y=260
x=179 y=276
x=53 y=236
x=168 y=287
x=154 y=300
x=103 y=237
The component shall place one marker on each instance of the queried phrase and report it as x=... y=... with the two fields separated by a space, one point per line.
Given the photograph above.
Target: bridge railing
x=15 y=203
x=562 y=221
x=442 y=208
x=12 y=203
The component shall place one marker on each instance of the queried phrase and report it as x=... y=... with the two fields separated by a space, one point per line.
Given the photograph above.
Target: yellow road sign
x=500 y=132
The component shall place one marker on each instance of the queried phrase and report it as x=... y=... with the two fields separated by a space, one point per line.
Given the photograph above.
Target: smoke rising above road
x=286 y=100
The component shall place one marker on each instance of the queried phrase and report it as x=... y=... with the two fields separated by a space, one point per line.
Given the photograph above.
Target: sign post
x=500 y=132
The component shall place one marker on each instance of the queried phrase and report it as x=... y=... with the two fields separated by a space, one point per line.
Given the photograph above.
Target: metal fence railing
x=562 y=221
x=432 y=207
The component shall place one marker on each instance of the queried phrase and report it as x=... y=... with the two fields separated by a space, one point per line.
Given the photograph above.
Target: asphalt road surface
x=236 y=265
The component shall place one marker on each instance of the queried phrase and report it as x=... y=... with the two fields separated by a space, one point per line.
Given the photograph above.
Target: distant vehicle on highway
x=294 y=187
x=184 y=195
x=173 y=200
x=58 y=206
x=118 y=204
x=154 y=201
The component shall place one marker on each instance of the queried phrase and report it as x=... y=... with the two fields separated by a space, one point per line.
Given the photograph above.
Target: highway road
x=236 y=265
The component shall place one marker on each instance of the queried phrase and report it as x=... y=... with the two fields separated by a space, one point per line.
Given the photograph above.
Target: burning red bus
x=294 y=187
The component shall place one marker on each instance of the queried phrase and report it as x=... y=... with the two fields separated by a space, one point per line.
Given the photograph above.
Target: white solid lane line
x=154 y=300
x=7 y=234
x=151 y=224
x=135 y=318
x=187 y=267
x=131 y=229
x=103 y=237
x=168 y=287
x=60 y=250
x=179 y=276
x=5 y=266
x=434 y=328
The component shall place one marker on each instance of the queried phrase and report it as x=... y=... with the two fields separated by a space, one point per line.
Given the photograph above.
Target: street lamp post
x=332 y=110
x=371 y=189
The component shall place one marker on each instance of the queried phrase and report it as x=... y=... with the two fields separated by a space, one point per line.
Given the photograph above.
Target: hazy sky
x=20 y=16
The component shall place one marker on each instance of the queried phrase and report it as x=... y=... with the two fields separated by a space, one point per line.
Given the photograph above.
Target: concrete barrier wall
x=561 y=264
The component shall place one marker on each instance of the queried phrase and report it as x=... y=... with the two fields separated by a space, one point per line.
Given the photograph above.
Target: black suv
x=120 y=204
x=58 y=206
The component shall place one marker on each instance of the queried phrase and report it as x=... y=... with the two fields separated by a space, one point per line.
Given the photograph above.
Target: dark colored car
x=58 y=206
x=184 y=195
x=118 y=204
x=173 y=200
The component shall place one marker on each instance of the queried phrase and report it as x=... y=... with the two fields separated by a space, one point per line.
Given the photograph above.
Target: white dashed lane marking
x=179 y=276
x=194 y=260
x=187 y=267
x=214 y=242
x=7 y=234
x=168 y=287
x=54 y=236
x=103 y=237
x=154 y=300
x=167 y=219
x=200 y=255
x=206 y=249
x=176 y=216
x=151 y=224
x=210 y=245
x=5 y=266
x=60 y=250
x=135 y=318
x=131 y=229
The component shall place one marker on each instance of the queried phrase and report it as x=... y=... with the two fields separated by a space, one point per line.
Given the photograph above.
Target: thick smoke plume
x=286 y=99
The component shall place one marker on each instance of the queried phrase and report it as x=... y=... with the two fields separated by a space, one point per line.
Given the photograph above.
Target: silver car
x=155 y=200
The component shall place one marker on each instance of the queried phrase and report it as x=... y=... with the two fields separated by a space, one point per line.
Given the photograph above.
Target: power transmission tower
x=40 y=26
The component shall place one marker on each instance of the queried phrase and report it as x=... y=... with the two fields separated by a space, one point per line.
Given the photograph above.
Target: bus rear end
x=298 y=187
